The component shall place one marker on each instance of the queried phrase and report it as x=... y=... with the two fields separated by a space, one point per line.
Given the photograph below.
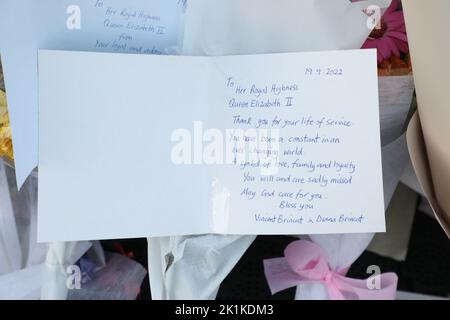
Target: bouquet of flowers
x=391 y=42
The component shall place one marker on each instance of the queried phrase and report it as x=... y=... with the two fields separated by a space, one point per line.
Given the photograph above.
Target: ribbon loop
x=305 y=261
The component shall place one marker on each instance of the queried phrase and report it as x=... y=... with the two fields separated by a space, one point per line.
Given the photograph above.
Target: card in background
x=132 y=26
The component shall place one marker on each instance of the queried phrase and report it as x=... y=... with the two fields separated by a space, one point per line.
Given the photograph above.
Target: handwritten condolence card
x=132 y=26
x=168 y=145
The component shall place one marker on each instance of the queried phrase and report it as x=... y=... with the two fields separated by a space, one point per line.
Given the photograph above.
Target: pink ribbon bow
x=305 y=262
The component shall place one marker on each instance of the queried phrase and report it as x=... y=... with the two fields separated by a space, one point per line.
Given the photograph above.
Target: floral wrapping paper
x=6 y=149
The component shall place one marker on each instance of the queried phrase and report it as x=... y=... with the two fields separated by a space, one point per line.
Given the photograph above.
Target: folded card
x=165 y=145
x=132 y=26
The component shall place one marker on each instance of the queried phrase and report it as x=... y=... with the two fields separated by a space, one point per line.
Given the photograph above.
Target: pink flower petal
x=379 y=57
x=395 y=25
x=401 y=45
x=369 y=44
x=393 y=46
x=401 y=29
x=394 y=16
x=392 y=7
x=385 y=49
x=397 y=35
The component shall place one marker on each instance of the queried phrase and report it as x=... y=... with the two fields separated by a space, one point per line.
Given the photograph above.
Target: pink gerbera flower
x=390 y=37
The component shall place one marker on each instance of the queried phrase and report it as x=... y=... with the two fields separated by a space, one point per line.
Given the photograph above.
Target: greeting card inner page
x=134 y=146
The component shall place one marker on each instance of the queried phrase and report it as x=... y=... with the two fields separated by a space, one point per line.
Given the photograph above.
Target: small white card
x=137 y=146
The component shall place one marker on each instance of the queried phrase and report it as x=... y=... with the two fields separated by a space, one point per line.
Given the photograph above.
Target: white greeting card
x=133 y=145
